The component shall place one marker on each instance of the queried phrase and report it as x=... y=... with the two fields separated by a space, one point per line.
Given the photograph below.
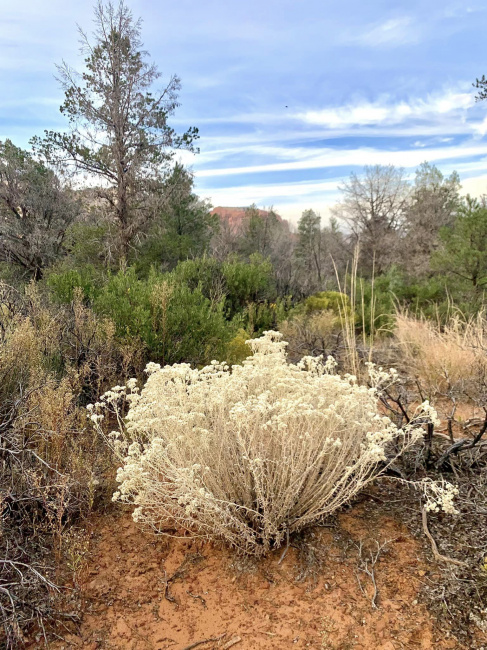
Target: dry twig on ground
x=367 y=566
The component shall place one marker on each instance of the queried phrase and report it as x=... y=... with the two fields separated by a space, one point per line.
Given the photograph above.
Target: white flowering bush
x=253 y=453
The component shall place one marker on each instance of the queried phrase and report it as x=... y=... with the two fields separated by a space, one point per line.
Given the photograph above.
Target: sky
x=290 y=96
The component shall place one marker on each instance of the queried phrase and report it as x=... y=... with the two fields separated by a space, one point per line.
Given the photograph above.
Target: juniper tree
x=183 y=226
x=463 y=250
x=435 y=201
x=119 y=130
x=308 y=249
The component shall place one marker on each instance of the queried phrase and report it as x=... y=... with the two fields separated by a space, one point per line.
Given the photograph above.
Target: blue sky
x=290 y=96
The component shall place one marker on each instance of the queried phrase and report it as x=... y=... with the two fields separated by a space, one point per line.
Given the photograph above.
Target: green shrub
x=62 y=283
x=248 y=282
x=325 y=301
x=172 y=321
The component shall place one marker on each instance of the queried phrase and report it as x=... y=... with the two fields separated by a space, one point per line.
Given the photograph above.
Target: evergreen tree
x=120 y=132
x=308 y=252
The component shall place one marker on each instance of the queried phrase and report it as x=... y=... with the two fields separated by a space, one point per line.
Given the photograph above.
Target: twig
x=284 y=553
x=464 y=444
x=368 y=569
x=210 y=640
x=167 y=594
x=434 y=547
x=231 y=643
x=179 y=573
x=198 y=597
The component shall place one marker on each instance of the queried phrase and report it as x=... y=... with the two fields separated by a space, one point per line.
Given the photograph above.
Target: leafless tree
x=35 y=211
x=434 y=204
x=373 y=207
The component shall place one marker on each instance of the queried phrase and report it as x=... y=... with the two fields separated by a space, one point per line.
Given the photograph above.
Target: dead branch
x=437 y=555
x=180 y=572
x=210 y=640
x=231 y=643
x=367 y=566
x=464 y=444
x=198 y=597
x=284 y=553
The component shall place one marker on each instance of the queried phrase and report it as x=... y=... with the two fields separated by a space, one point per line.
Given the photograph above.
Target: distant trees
x=309 y=249
x=120 y=133
x=35 y=211
x=435 y=201
x=373 y=207
x=319 y=253
x=265 y=233
x=258 y=231
x=182 y=227
x=463 y=251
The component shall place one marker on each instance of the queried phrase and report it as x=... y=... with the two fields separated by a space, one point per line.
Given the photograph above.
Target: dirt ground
x=142 y=592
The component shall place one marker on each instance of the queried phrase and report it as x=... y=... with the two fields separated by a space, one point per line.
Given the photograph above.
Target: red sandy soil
x=304 y=602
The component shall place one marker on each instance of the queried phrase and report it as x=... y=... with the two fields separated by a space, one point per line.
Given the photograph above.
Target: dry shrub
x=311 y=334
x=52 y=360
x=249 y=454
x=448 y=362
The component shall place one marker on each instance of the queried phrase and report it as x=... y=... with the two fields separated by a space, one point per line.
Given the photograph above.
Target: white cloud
x=395 y=31
x=385 y=111
x=329 y=157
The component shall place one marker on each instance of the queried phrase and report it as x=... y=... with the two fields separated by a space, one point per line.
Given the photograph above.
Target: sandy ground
x=143 y=592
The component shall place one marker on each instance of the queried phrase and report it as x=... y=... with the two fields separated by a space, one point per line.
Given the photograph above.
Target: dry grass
x=448 y=362
x=51 y=360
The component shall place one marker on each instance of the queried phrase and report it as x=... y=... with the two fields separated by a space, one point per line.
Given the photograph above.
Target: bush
x=172 y=322
x=314 y=326
x=312 y=334
x=448 y=362
x=63 y=283
x=52 y=361
x=252 y=454
x=247 y=282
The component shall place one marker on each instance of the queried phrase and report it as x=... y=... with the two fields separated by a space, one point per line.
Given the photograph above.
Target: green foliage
x=247 y=282
x=308 y=248
x=182 y=228
x=64 y=282
x=259 y=317
x=87 y=244
x=429 y=297
x=203 y=272
x=327 y=300
x=333 y=302
x=173 y=322
x=237 y=348
x=464 y=246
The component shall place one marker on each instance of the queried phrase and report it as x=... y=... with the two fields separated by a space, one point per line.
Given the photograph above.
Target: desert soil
x=147 y=592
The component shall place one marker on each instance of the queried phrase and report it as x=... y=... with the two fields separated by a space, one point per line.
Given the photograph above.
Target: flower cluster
x=440 y=495
x=252 y=453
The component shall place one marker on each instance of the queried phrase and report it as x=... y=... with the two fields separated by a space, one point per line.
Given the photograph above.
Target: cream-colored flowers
x=251 y=453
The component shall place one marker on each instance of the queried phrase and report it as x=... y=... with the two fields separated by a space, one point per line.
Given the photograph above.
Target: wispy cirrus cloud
x=289 y=96
x=394 y=32
x=386 y=111
x=334 y=157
